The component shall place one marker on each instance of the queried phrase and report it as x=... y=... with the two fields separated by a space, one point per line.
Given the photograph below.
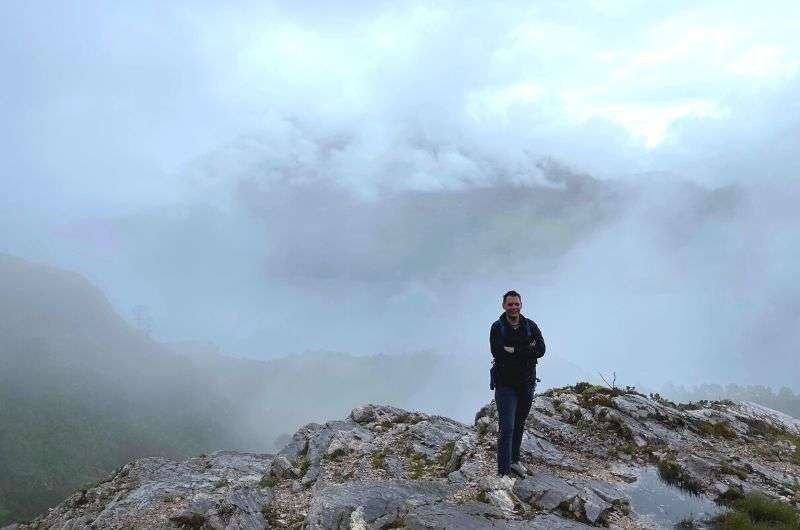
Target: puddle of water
x=666 y=505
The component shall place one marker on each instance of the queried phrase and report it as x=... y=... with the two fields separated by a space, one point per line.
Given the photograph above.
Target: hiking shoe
x=519 y=469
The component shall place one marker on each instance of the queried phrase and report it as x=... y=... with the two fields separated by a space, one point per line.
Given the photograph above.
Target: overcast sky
x=371 y=176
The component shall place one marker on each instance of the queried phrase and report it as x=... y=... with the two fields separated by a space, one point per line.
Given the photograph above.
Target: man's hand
x=509 y=349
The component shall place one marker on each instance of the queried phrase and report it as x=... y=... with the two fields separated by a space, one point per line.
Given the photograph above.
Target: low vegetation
x=728 y=468
x=302 y=463
x=718 y=429
x=671 y=472
x=268 y=481
x=378 y=459
x=755 y=511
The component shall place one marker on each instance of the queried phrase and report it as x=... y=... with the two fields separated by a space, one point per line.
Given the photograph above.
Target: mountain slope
x=82 y=392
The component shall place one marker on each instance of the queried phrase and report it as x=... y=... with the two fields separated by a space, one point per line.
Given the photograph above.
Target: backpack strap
x=528 y=332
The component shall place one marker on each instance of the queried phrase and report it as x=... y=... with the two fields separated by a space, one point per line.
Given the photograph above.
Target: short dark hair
x=512 y=293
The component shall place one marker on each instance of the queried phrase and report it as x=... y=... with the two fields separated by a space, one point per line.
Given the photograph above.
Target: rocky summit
x=591 y=453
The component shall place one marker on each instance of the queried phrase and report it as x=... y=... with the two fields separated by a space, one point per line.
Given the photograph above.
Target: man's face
x=512 y=305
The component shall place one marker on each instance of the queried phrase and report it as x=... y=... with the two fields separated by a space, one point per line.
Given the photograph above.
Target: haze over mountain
x=385 y=173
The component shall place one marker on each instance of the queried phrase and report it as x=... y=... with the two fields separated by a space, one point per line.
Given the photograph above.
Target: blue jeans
x=513 y=406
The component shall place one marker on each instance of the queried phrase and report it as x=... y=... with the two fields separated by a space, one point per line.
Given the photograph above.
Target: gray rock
x=429 y=436
x=445 y=515
x=536 y=448
x=464 y=446
x=469 y=471
x=381 y=502
x=160 y=493
x=382 y=413
x=394 y=467
x=282 y=468
x=544 y=491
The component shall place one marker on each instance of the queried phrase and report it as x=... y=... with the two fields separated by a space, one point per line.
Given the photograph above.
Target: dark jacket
x=518 y=368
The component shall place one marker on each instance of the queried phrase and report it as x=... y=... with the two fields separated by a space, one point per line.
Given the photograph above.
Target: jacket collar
x=505 y=320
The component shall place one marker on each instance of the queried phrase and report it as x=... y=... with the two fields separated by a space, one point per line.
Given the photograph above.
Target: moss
x=189 y=520
x=419 y=467
x=756 y=511
x=762 y=428
x=794 y=458
x=621 y=428
x=378 y=459
x=268 y=482
x=270 y=515
x=446 y=454
x=221 y=483
x=692 y=405
x=336 y=455
x=730 y=496
x=672 y=473
x=720 y=429
x=574 y=416
x=302 y=463
x=595 y=400
x=728 y=468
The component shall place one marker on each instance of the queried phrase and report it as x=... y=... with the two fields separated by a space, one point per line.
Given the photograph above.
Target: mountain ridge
x=586 y=448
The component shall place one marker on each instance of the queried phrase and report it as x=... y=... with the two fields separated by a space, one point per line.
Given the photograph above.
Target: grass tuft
x=672 y=473
x=302 y=463
x=268 y=482
x=728 y=468
x=447 y=453
x=378 y=458
x=756 y=511
x=721 y=429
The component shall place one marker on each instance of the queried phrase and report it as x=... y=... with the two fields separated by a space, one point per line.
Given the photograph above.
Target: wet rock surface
x=585 y=449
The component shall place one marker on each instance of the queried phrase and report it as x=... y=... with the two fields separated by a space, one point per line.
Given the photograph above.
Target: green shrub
x=756 y=511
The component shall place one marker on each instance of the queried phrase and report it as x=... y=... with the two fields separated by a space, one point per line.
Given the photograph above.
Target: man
x=516 y=344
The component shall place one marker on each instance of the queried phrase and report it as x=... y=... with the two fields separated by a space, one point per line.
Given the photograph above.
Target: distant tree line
x=784 y=400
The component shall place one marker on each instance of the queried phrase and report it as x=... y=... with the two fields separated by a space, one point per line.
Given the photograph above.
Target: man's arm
x=531 y=347
x=496 y=344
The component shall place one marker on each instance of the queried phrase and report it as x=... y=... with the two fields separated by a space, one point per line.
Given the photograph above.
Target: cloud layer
x=385 y=171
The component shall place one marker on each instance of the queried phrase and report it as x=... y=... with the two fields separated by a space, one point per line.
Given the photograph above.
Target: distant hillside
x=784 y=400
x=82 y=392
